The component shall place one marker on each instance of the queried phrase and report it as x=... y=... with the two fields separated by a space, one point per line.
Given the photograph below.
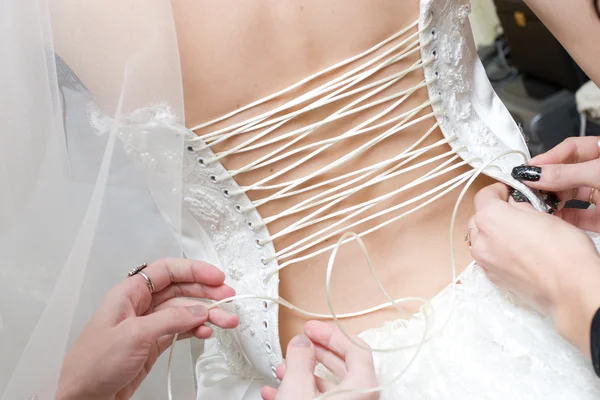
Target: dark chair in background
x=535 y=77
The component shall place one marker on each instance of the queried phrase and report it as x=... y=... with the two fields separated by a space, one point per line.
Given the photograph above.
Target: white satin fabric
x=493 y=347
x=96 y=179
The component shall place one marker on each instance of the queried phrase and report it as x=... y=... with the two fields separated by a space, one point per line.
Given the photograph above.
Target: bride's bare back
x=234 y=53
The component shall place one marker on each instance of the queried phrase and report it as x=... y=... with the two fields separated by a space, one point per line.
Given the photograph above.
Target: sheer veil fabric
x=83 y=200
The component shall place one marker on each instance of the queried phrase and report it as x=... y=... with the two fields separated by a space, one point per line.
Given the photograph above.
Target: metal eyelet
x=434 y=33
x=191 y=149
x=201 y=162
x=265 y=324
x=225 y=192
x=258 y=243
x=268 y=347
x=250 y=225
x=434 y=53
x=213 y=178
x=264 y=261
x=437 y=74
x=265 y=305
x=238 y=208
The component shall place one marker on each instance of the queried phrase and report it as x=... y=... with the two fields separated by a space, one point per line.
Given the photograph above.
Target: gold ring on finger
x=468 y=235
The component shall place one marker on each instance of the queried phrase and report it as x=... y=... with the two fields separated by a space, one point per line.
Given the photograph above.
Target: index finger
x=162 y=273
x=165 y=271
x=570 y=151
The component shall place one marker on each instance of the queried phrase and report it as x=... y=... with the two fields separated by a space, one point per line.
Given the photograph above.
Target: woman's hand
x=352 y=365
x=572 y=170
x=539 y=257
x=132 y=327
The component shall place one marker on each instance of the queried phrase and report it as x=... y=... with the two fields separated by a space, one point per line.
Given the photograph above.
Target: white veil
x=91 y=109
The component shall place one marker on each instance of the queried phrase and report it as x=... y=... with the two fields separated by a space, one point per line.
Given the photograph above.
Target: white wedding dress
x=93 y=221
x=492 y=348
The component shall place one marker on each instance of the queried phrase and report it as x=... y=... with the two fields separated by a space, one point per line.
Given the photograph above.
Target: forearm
x=577 y=301
x=575 y=23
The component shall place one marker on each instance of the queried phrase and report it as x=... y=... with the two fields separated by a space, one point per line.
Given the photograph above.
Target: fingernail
x=198 y=310
x=529 y=173
x=300 y=341
x=551 y=199
x=518 y=196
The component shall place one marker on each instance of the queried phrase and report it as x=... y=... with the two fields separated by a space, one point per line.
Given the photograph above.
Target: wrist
x=576 y=302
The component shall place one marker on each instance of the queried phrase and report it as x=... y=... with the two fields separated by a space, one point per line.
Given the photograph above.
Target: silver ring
x=148 y=281
x=138 y=270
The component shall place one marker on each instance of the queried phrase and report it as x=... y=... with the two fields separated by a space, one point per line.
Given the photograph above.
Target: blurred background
x=543 y=88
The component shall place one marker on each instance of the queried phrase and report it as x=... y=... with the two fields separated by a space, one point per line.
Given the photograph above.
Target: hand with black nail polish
x=570 y=171
x=548 y=262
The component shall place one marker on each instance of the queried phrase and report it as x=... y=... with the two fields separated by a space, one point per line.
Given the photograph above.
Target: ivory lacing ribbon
x=323 y=72
x=427 y=308
x=328 y=93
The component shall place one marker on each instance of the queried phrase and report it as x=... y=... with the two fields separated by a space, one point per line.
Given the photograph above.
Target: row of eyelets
x=434 y=35
x=259 y=244
x=213 y=178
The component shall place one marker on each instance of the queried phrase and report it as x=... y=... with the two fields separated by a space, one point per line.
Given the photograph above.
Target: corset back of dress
x=238 y=217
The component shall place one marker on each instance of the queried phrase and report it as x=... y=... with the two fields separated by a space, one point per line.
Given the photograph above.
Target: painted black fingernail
x=518 y=196
x=551 y=199
x=529 y=173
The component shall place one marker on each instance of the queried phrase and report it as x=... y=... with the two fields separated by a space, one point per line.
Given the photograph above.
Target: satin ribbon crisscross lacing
x=359 y=86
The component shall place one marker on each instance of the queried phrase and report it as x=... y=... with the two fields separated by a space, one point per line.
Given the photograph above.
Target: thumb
x=299 y=380
x=173 y=320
